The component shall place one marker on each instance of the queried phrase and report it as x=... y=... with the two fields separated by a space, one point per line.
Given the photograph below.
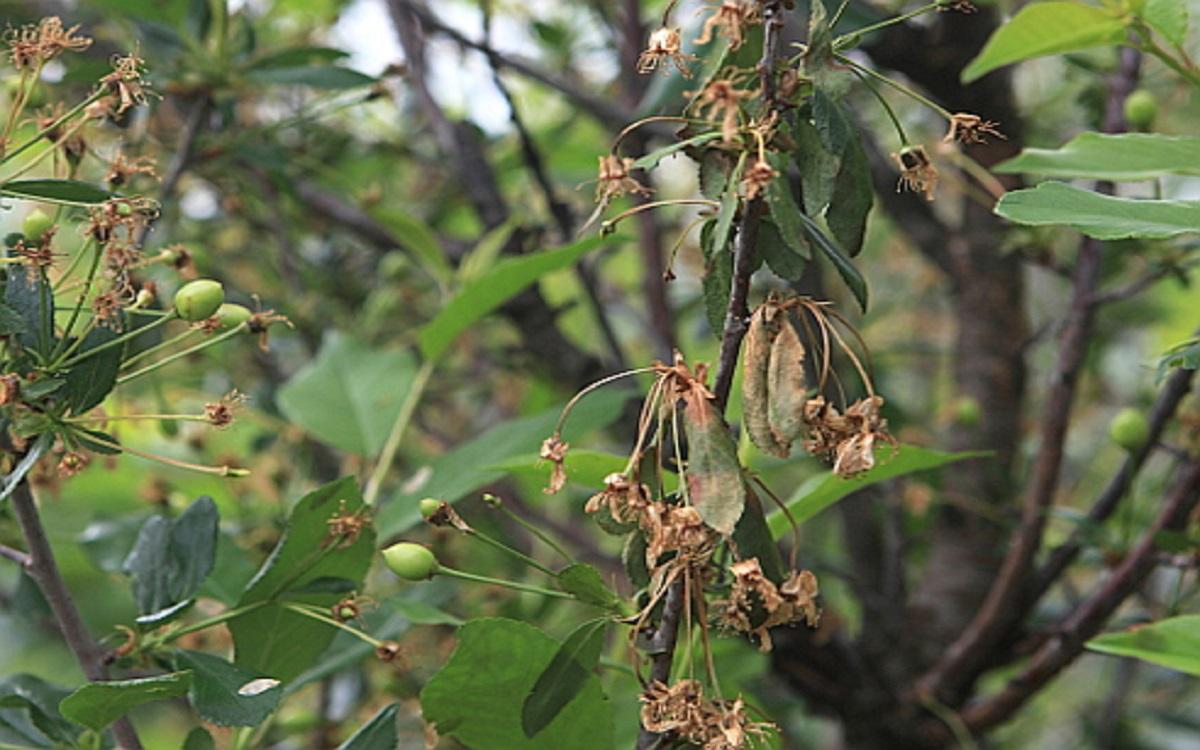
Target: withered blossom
x=682 y=711
x=446 y=515
x=756 y=179
x=344 y=527
x=721 y=100
x=678 y=529
x=756 y=604
x=613 y=179
x=968 y=128
x=625 y=500
x=848 y=440
x=917 y=172
x=260 y=323
x=663 y=50
x=220 y=414
x=126 y=82
x=36 y=44
x=555 y=450
x=72 y=463
x=730 y=19
x=121 y=169
x=10 y=388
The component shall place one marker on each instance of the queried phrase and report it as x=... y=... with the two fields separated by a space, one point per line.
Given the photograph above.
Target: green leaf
x=350 y=395
x=717 y=285
x=90 y=381
x=504 y=281
x=1167 y=17
x=818 y=167
x=1185 y=354
x=754 y=539
x=25 y=699
x=107 y=541
x=418 y=238
x=783 y=261
x=225 y=694
x=825 y=489
x=171 y=558
x=583 y=582
x=651 y=160
x=265 y=639
x=481 y=258
x=30 y=298
x=1104 y=217
x=1046 y=29
x=1115 y=157
x=477 y=698
x=296 y=57
x=854 y=280
x=784 y=211
x=853 y=195
x=586 y=468
x=723 y=227
x=199 y=739
x=329 y=77
x=70 y=192
x=377 y=734
x=11 y=321
x=98 y=704
x=1173 y=643
x=564 y=676
x=14 y=477
x=423 y=613
x=715 y=485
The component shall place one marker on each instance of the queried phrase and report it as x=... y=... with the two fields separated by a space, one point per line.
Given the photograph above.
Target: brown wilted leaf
x=787 y=386
x=756 y=356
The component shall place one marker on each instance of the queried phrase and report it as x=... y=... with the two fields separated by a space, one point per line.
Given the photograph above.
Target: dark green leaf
x=717 y=282
x=98 y=704
x=329 y=77
x=298 y=57
x=783 y=261
x=377 y=734
x=831 y=124
x=825 y=489
x=584 y=583
x=1042 y=29
x=564 y=676
x=753 y=538
x=265 y=639
x=37 y=702
x=171 y=558
x=13 y=478
x=633 y=559
x=585 y=468
x=226 y=694
x=350 y=395
x=651 y=160
x=477 y=697
x=96 y=441
x=423 y=613
x=818 y=167
x=11 y=321
x=1104 y=217
x=1185 y=355
x=854 y=280
x=107 y=541
x=70 y=192
x=1173 y=643
x=853 y=195
x=723 y=227
x=32 y=299
x=502 y=282
x=91 y=380
x=199 y=739
x=784 y=212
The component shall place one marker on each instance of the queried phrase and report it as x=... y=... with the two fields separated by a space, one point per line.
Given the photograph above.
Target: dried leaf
x=786 y=386
x=756 y=356
x=714 y=476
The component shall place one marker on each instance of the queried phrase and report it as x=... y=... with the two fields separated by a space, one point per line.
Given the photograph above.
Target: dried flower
x=72 y=463
x=121 y=169
x=756 y=604
x=722 y=100
x=730 y=19
x=37 y=44
x=387 y=651
x=962 y=6
x=756 y=179
x=261 y=322
x=10 y=388
x=220 y=414
x=345 y=527
x=665 y=46
x=917 y=173
x=625 y=501
x=126 y=82
x=446 y=515
x=682 y=710
x=613 y=179
x=968 y=128
x=555 y=450
x=678 y=529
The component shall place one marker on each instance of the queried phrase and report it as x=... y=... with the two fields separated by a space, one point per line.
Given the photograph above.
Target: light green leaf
x=784 y=211
x=504 y=281
x=477 y=697
x=226 y=694
x=329 y=77
x=825 y=489
x=350 y=395
x=265 y=639
x=1173 y=643
x=651 y=160
x=1101 y=216
x=564 y=676
x=417 y=237
x=1046 y=29
x=98 y=704
x=483 y=256
x=297 y=57
x=377 y=734
x=583 y=582
x=1116 y=157
x=1167 y=17
x=586 y=468
x=69 y=192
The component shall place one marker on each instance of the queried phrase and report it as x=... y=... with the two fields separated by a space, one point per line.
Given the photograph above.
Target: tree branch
x=43 y=569
x=16 y=555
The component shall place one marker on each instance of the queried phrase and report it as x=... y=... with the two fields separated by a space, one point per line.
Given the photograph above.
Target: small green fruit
x=198 y=300
x=429 y=506
x=36 y=224
x=411 y=561
x=967 y=411
x=231 y=315
x=1141 y=107
x=1129 y=429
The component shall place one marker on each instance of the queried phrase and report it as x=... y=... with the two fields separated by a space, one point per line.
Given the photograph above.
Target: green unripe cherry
x=231 y=315
x=1129 y=429
x=1141 y=107
x=198 y=300
x=967 y=411
x=429 y=506
x=411 y=561
x=37 y=223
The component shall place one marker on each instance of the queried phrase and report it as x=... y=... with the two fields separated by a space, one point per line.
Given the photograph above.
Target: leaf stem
x=309 y=611
x=392 y=445
x=238 y=330
x=514 y=585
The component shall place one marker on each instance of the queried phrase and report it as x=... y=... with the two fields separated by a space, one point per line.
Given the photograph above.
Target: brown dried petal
x=555 y=451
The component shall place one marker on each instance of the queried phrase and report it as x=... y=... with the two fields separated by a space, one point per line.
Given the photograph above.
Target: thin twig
x=43 y=569
x=16 y=555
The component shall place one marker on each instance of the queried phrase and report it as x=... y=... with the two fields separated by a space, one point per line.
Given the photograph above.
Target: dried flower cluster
x=682 y=711
x=36 y=44
x=756 y=604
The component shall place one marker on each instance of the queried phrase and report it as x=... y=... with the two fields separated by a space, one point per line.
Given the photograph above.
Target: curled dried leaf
x=787 y=386
x=756 y=355
x=714 y=476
